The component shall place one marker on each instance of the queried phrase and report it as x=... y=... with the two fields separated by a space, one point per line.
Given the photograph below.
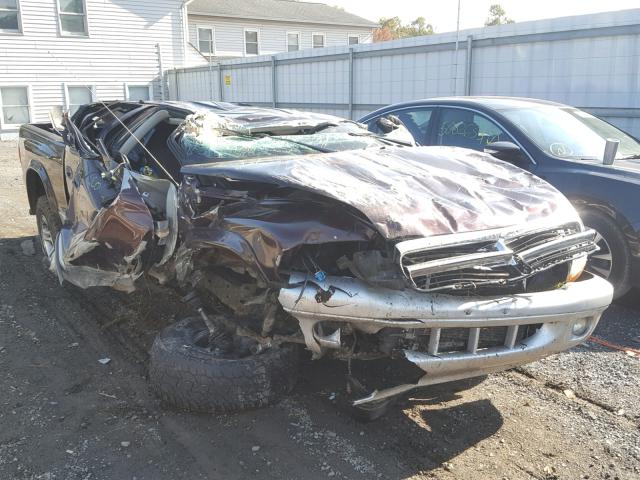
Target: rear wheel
x=612 y=261
x=48 y=227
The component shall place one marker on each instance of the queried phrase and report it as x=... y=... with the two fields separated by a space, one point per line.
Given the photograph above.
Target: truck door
x=107 y=226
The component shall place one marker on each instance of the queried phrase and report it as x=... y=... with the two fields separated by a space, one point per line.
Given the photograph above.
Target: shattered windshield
x=207 y=136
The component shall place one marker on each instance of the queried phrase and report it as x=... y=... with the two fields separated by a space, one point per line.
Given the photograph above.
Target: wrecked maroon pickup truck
x=282 y=229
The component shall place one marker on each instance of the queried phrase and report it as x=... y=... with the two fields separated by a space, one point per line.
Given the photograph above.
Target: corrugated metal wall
x=590 y=61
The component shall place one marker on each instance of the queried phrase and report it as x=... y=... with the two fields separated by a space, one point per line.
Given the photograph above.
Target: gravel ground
x=595 y=373
x=66 y=416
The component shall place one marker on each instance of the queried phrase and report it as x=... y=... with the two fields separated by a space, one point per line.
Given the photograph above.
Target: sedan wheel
x=613 y=260
x=601 y=262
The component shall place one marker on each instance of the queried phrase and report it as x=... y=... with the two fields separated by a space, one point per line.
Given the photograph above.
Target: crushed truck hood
x=409 y=192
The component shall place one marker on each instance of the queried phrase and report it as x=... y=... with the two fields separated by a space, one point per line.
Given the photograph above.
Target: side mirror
x=56 y=117
x=610 y=150
x=389 y=123
x=507 y=151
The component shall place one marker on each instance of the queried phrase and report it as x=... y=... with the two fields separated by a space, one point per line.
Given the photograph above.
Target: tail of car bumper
x=566 y=317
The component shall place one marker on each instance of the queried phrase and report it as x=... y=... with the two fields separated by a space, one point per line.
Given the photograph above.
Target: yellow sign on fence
x=227 y=80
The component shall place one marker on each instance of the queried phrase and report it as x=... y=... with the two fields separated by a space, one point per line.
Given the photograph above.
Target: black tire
x=47 y=219
x=192 y=378
x=614 y=241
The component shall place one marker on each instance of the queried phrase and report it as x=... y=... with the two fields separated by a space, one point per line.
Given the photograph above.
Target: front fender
x=260 y=233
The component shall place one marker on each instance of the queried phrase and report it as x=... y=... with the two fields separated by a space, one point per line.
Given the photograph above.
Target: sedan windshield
x=569 y=132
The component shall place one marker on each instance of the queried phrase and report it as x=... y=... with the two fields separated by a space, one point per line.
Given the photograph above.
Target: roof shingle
x=280 y=10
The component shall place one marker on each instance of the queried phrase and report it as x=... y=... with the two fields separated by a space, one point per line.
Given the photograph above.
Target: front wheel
x=187 y=373
x=612 y=261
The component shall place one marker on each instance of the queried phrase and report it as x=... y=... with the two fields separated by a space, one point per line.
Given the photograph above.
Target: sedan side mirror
x=507 y=151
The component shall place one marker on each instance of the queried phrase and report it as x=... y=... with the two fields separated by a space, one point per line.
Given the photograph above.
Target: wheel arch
x=582 y=203
x=38 y=184
x=630 y=236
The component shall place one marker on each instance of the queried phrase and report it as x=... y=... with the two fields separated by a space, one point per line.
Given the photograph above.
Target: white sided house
x=70 y=52
x=221 y=29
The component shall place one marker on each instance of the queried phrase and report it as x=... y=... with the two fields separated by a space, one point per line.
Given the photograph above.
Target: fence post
x=350 y=83
x=171 y=84
x=210 y=80
x=467 y=71
x=220 y=89
x=175 y=76
x=274 y=85
x=160 y=67
x=168 y=83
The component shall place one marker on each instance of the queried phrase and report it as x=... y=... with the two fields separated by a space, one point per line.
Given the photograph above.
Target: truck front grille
x=498 y=258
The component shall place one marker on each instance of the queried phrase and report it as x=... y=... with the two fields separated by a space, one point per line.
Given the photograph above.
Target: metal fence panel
x=590 y=61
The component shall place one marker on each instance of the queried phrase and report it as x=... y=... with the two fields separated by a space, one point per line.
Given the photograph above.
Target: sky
x=442 y=13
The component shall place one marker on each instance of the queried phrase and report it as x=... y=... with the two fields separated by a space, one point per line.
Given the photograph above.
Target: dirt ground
x=64 y=415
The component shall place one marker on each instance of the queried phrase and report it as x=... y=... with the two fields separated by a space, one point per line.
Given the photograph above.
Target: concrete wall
x=589 y=61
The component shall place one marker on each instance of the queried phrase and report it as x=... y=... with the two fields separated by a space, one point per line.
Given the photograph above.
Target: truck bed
x=41 y=152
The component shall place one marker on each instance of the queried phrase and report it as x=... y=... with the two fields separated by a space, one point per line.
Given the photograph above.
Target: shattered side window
x=207 y=137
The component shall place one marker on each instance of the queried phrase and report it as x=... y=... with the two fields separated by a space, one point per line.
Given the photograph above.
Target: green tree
x=497 y=16
x=417 y=28
x=392 y=29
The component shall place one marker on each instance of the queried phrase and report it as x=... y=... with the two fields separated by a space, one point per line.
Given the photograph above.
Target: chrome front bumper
x=369 y=309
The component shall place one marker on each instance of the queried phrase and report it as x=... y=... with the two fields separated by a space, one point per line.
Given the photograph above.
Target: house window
x=136 y=93
x=205 y=41
x=78 y=95
x=318 y=40
x=251 y=42
x=293 y=42
x=354 y=39
x=14 y=105
x=9 y=16
x=73 y=17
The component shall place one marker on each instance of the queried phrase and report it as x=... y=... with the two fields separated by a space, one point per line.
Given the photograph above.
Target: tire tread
x=192 y=380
